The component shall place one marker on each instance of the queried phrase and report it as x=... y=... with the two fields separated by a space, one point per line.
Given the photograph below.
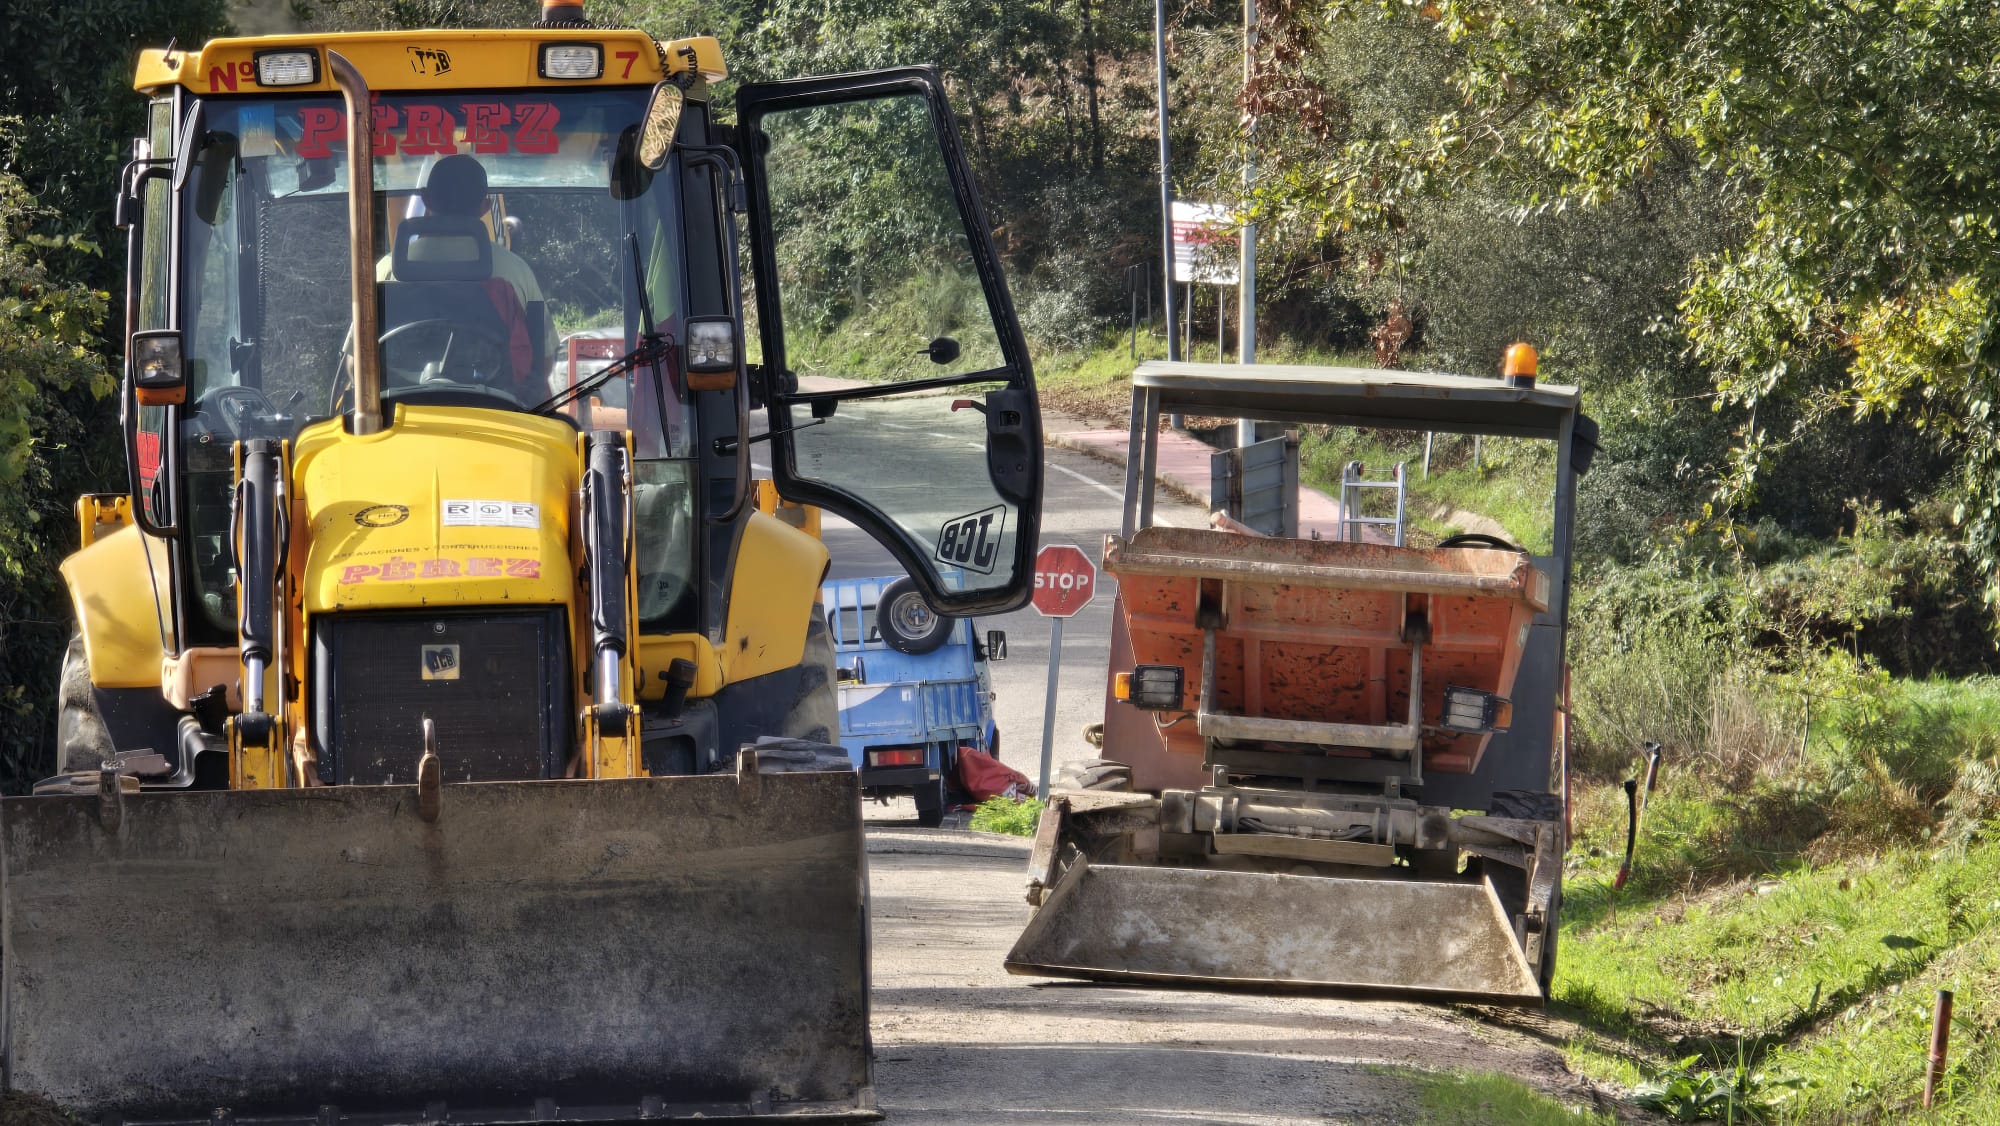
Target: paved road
x=960 y=1042
x=924 y=460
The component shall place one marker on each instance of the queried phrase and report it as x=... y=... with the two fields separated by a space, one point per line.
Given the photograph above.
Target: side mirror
x=942 y=350
x=996 y=644
x=711 y=353
x=159 y=375
x=856 y=673
x=663 y=123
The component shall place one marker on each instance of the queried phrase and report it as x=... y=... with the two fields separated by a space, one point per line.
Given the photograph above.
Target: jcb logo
x=973 y=542
x=429 y=60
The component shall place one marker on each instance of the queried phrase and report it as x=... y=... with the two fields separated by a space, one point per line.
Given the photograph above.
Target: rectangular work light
x=572 y=60
x=1155 y=688
x=1469 y=710
x=287 y=68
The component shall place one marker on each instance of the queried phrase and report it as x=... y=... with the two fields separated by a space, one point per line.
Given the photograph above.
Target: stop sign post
x=1065 y=582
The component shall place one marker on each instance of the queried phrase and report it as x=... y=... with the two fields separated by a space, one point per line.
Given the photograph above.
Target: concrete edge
x=947 y=842
x=1180 y=489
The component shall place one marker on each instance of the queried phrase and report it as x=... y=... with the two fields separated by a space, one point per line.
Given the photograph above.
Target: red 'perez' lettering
x=537 y=133
x=400 y=570
x=382 y=119
x=428 y=128
x=483 y=121
x=429 y=131
x=319 y=126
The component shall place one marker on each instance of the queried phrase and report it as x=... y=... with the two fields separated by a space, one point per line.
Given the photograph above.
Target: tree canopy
x=1848 y=149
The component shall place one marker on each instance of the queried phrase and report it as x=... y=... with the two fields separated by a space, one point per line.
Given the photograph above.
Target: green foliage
x=1738 y=1093
x=375 y=15
x=1853 y=152
x=46 y=332
x=1005 y=815
x=1486 y=1099
x=71 y=113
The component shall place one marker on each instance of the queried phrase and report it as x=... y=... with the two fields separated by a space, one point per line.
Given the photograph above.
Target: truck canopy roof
x=1369 y=397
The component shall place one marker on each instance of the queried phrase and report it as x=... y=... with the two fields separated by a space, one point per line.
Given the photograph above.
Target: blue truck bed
x=903 y=716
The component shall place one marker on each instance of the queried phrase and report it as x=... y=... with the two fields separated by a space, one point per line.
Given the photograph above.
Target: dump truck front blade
x=1179 y=926
x=560 y=950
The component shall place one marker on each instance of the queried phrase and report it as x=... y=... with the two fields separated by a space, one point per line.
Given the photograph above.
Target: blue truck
x=913 y=689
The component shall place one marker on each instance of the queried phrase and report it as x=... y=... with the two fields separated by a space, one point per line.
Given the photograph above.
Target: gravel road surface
x=960 y=1042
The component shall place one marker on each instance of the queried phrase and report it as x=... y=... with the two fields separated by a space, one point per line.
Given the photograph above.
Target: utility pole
x=1166 y=199
x=1246 y=265
x=1166 y=177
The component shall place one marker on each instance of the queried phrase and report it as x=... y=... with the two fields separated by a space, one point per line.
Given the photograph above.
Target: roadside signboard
x=1065 y=580
x=1204 y=244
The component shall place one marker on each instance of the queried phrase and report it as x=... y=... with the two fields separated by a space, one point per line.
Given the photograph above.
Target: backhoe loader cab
x=1339 y=762
x=446 y=736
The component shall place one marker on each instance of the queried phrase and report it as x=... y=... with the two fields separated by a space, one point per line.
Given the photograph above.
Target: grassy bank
x=1786 y=928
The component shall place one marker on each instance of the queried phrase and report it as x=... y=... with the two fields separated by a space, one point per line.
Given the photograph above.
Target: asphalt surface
x=960 y=1042
x=929 y=463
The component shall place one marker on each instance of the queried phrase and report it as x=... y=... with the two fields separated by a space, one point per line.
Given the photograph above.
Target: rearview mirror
x=942 y=350
x=996 y=644
x=663 y=123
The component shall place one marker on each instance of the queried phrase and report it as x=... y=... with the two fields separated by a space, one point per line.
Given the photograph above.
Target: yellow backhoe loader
x=446 y=736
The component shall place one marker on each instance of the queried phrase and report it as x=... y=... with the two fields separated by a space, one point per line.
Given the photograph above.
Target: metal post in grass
x=1940 y=1042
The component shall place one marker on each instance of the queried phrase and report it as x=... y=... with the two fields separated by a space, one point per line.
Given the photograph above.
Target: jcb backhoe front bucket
x=1257 y=929
x=562 y=950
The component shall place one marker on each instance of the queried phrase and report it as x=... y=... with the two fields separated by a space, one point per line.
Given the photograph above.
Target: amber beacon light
x=1519 y=365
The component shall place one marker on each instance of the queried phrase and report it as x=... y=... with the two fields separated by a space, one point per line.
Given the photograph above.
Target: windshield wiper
x=653 y=347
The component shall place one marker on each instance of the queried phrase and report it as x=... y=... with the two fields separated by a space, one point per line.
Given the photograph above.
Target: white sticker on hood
x=491 y=514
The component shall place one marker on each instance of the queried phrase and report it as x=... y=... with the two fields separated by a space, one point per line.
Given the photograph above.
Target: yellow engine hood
x=447 y=506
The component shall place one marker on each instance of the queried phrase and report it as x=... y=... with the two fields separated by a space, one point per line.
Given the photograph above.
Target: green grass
x=1004 y=815
x=1774 y=925
x=1513 y=482
x=1485 y=1099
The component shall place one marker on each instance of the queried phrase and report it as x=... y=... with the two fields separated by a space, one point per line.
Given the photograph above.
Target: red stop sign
x=1065 y=580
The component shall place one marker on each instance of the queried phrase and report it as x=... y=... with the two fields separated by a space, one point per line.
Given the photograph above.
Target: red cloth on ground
x=982 y=776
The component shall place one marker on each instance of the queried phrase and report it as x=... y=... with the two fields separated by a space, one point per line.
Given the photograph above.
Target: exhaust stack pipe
x=367 y=416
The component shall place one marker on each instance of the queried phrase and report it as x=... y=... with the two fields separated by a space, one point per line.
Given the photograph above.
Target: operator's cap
x=456 y=186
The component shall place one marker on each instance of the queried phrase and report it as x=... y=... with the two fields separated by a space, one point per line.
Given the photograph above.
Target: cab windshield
x=515 y=234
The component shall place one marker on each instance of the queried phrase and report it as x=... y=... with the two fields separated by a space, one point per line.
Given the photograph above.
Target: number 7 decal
x=630 y=57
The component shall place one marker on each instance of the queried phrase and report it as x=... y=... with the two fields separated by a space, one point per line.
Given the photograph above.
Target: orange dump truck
x=1334 y=764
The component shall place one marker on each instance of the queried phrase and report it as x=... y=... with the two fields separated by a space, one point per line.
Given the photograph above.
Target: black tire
x=82 y=740
x=907 y=622
x=930 y=798
x=815 y=710
x=1477 y=539
x=1096 y=774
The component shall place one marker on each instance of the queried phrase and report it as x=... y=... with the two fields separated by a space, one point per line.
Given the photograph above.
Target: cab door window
x=901 y=394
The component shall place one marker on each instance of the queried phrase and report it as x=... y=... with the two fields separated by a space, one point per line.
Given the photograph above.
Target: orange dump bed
x=1318 y=636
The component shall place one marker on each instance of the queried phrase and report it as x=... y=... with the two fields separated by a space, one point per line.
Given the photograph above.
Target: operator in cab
x=455 y=188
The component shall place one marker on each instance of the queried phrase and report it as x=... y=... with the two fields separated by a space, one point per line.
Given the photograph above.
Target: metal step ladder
x=1358 y=481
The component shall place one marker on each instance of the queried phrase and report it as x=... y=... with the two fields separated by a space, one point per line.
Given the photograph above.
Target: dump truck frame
x=1303 y=811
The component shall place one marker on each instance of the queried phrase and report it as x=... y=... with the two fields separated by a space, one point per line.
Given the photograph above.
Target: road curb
x=1174 y=485
x=946 y=842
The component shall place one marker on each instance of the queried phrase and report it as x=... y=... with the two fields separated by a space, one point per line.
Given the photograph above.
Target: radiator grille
x=495 y=685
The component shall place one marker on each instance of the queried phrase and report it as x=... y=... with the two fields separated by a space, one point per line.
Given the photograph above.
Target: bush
x=1005 y=815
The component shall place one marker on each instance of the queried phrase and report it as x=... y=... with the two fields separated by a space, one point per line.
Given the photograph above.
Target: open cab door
x=897 y=380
